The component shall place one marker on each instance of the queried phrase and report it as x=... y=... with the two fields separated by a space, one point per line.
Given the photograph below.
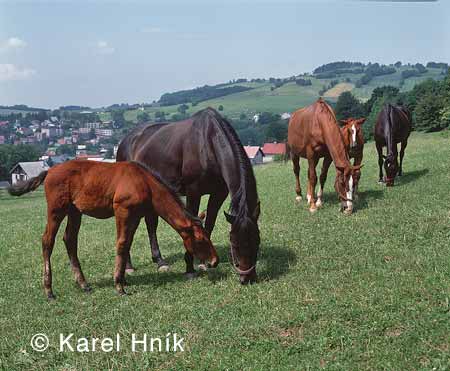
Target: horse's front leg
x=380 y=162
x=357 y=176
x=126 y=226
x=323 y=178
x=151 y=221
x=402 y=153
x=312 y=181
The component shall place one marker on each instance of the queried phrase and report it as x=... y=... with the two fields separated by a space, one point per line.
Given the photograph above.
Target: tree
x=142 y=117
x=398 y=64
x=182 y=108
x=348 y=106
x=66 y=149
x=220 y=108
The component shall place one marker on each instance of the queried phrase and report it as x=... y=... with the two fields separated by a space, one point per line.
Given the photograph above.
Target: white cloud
x=104 y=48
x=13 y=43
x=152 y=30
x=9 y=72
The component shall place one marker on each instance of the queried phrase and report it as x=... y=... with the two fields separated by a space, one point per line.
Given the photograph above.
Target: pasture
x=369 y=291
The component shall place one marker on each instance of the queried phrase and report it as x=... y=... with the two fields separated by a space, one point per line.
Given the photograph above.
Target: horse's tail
x=27 y=186
x=287 y=153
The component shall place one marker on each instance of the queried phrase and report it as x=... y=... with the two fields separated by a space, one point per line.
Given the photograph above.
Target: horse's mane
x=247 y=187
x=173 y=192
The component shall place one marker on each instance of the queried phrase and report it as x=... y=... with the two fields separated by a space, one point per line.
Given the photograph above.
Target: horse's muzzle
x=214 y=262
x=245 y=279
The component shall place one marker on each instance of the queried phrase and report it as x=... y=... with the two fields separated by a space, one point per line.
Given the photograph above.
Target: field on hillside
x=369 y=291
x=290 y=96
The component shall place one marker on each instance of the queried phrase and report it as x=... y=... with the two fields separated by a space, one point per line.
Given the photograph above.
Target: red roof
x=251 y=151
x=274 y=148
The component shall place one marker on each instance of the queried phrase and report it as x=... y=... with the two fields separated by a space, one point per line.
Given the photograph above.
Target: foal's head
x=352 y=132
x=391 y=169
x=344 y=186
x=197 y=242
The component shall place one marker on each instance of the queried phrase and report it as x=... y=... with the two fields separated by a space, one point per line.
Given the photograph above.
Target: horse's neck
x=390 y=145
x=335 y=144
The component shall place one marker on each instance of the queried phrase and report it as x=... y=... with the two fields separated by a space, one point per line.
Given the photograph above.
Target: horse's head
x=391 y=169
x=344 y=186
x=352 y=132
x=245 y=240
x=197 y=242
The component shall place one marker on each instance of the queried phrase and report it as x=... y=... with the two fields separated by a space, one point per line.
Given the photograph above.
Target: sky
x=97 y=53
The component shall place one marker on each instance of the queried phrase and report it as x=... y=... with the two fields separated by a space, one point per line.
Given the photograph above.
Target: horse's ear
x=257 y=211
x=361 y=121
x=230 y=218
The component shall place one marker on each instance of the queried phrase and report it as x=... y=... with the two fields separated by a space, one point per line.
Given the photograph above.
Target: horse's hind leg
x=323 y=178
x=312 y=181
x=126 y=227
x=402 y=153
x=151 y=221
x=71 y=241
x=296 y=167
x=54 y=220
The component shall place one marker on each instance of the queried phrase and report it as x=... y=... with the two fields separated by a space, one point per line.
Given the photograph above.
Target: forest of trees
x=429 y=103
x=197 y=95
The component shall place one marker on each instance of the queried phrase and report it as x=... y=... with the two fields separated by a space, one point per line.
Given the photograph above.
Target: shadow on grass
x=275 y=262
x=410 y=176
x=366 y=196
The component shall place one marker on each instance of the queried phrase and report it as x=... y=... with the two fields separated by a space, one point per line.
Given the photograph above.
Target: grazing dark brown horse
x=393 y=126
x=198 y=156
x=128 y=191
x=353 y=137
x=314 y=133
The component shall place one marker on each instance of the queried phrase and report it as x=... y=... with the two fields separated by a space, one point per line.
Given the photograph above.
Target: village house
x=26 y=170
x=2 y=139
x=271 y=150
x=255 y=154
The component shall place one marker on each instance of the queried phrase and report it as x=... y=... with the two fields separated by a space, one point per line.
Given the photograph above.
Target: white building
x=26 y=170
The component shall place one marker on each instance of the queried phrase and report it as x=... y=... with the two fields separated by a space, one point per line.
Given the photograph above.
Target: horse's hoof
x=202 y=267
x=312 y=210
x=129 y=270
x=122 y=293
x=163 y=268
x=191 y=275
x=51 y=296
x=381 y=182
x=319 y=203
x=298 y=199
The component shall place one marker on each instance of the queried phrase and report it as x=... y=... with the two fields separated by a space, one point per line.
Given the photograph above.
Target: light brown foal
x=126 y=190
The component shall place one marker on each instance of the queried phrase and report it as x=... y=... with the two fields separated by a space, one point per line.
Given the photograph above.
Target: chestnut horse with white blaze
x=353 y=137
x=127 y=190
x=314 y=133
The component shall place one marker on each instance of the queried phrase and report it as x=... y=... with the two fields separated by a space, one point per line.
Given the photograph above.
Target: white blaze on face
x=354 y=134
x=350 y=193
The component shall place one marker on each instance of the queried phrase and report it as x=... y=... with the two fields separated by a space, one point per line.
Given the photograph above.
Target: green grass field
x=365 y=292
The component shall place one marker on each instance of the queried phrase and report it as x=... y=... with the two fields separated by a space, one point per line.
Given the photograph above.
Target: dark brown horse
x=393 y=126
x=314 y=133
x=198 y=156
x=128 y=191
x=353 y=137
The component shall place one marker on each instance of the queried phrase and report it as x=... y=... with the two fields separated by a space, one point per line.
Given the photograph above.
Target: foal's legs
x=296 y=166
x=402 y=153
x=380 y=162
x=71 y=240
x=327 y=160
x=126 y=226
x=312 y=181
x=151 y=221
x=54 y=220
x=193 y=205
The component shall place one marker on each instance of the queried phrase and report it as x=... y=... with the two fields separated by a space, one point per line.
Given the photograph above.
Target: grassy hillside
x=290 y=96
x=369 y=291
